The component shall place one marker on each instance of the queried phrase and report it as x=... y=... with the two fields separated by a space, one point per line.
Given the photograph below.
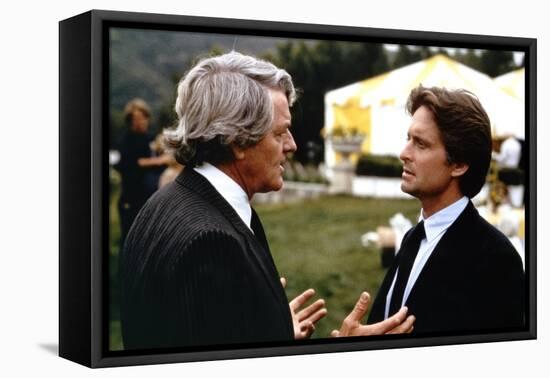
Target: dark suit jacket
x=192 y=273
x=472 y=282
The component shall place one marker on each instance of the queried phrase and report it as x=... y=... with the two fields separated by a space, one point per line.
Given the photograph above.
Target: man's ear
x=238 y=152
x=459 y=169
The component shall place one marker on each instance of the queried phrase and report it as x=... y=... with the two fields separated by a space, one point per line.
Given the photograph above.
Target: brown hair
x=465 y=130
x=136 y=104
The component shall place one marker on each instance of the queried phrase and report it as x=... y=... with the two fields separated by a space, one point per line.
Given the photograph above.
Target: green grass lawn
x=316 y=244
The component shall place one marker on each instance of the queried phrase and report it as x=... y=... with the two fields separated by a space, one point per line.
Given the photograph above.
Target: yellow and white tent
x=513 y=83
x=376 y=107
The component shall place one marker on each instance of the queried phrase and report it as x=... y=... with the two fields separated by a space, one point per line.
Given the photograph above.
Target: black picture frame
x=83 y=152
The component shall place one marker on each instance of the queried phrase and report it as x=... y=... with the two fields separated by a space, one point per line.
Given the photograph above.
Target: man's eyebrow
x=421 y=139
x=417 y=138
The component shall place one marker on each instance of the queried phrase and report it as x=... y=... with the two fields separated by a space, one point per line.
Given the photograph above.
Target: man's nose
x=289 y=145
x=405 y=154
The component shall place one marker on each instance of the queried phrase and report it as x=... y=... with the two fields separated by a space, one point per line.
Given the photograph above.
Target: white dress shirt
x=435 y=227
x=229 y=190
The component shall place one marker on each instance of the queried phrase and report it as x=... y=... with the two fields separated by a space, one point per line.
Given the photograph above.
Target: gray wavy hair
x=223 y=101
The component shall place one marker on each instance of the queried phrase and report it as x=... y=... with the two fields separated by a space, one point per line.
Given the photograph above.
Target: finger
x=405 y=327
x=352 y=322
x=304 y=326
x=311 y=309
x=297 y=302
x=307 y=328
x=283 y=282
x=335 y=333
x=388 y=324
x=315 y=317
x=360 y=308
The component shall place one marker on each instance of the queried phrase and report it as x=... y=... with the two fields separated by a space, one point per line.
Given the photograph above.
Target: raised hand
x=304 y=320
x=351 y=326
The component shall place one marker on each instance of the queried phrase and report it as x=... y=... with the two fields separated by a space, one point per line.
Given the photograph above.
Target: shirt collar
x=229 y=190
x=442 y=220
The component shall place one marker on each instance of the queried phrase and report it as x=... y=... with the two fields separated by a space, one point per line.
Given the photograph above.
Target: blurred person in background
x=138 y=166
x=507 y=152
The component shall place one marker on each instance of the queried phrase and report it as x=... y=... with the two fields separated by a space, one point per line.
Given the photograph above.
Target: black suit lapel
x=257 y=244
x=262 y=248
x=379 y=306
x=378 y=310
x=258 y=229
x=263 y=253
x=200 y=185
x=444 y=254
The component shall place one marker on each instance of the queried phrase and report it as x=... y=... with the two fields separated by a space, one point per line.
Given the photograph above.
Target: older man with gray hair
x=196 y=268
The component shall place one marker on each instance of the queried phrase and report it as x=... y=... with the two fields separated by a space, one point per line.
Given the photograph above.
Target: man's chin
x=406 y=188
x=278 y=186
x=274 y=187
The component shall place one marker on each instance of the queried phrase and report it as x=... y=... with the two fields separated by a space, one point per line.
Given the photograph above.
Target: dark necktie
x=408 y=253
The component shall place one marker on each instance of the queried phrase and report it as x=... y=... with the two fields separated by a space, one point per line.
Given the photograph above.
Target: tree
x=405 y=55
x=470 y=58
x=369 y=60
x=496 y=62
